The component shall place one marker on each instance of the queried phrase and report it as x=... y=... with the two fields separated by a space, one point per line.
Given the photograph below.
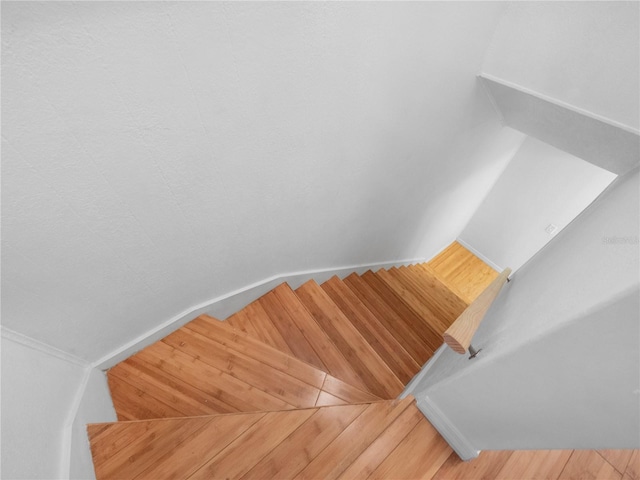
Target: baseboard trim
x=412 y=386
x=67 y=432
x=42 y=347
x=225 y=305
x=478 y=254
x=456 y=440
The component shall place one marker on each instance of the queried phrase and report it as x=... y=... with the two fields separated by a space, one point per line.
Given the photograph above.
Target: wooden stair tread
x=419 y=455
x=262 y=328
x=374 y=372
x=243 y=322
x=157 y=445
x=346 y=392
x=178 y=394
x=207 y=368
x=277 y=444
x=253 y=444
x=412 y=300
x=227 y=388
x=383 y=445
x=266 y=378
x=273 y=381
x=415 y=323
x=288 y=459
x=256 y=350
x=381 y=340
x=353 y=440
x=388 y=439
x=438 y=297
x=288 y=325
x=244 y=367
x=332 y=358
x=462 y=271
x=419 y=350
x=132 y=403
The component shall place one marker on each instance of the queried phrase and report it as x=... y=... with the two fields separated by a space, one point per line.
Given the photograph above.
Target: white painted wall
x=95 y=406
x=157 y=155
x=600 y=141
x=541 y=186
x=585 y=54
x=37 y=391
x=560 y=345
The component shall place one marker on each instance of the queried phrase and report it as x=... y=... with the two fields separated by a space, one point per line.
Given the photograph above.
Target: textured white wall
x=586 y=54
x=541 y=186
x=95 y=406
x=37 y=390
x=602 y=142
x=159 y=154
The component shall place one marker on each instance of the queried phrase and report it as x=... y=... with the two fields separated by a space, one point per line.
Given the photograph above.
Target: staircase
x=299 y=384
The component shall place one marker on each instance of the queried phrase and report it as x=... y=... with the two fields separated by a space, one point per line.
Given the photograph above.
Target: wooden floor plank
x=425 y=274
x=375 y=373
x=381 y=340
x=379 y=450
x=243 y=322
x=438 y=297
x=618 y=458
x=534 y=464
x=419 y=455
x=416 y=324
x=159 y=441
x=633 y=467
x=588 y=464
x=257 y=350
x=253 y=445
x=263 y=377
x=187 y=457
x=113 y=437
x=346 y=392
x=160 y=400
x=230 y=390
x=419 y=350
x=335 y=362
x=192 y=400
x=452 y=284
x=303 y=445
x=268 y=331
x=292 y=334
x=133 y=403
x=353 y=440
x=326 y=399
x=461 y=271
x=412 y=300
x=450 y=258
x=485 y=467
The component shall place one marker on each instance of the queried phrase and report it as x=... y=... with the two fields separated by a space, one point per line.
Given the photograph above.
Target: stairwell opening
x=541 y=191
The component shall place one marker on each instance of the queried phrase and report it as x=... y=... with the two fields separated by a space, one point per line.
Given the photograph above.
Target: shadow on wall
x=540 y=192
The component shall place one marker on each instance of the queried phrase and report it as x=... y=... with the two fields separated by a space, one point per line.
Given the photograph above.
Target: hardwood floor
x=303 y=384
x=387 y=439
x=542 y=464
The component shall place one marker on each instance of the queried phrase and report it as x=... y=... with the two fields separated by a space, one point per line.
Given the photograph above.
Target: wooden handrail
x=458 y=336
